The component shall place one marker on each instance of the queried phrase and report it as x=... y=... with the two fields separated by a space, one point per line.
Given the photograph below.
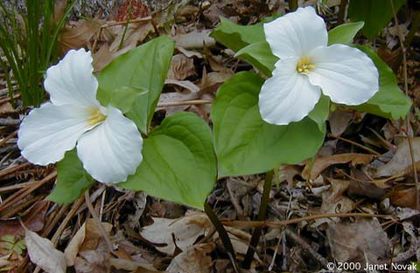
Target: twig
x=307 y=247
x=184 y=102
x=9 y=121
x=4 y=140
x=98 y=222
x=279 y=224
x=261 y=216
x=408 y=126
x=342 y=11
x=356 y=144
x=223 y=236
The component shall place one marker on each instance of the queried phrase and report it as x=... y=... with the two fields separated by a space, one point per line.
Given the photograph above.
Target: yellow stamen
x=304 y=65
x=95 y=116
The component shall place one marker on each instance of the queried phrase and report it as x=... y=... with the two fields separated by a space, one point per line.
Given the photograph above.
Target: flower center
x=95 y=116
x=304 y=65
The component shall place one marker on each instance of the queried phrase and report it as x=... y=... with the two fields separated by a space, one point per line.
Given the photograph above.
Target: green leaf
x=72 y=179
x=244 y=143
x=124 y=97
x=235 y=36
x=345 y=33
x=179 y=163
x=143 y=69
x=376 y=14
x=259 y=55
x=321 y=112
x=389 y=102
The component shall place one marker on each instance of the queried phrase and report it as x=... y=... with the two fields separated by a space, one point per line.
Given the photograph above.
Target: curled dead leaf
x=194 y=259
x=321 y=163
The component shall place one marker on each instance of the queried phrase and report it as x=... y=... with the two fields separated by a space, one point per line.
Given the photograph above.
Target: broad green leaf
x=124 y=97
x=376 y=14
x=72 y=179
x=244 y=143
x=143 y=69
x=259 y=55
x=235 y=36
x=321 y=112
x=179 y=163
x=344 y=33
x=389 y=102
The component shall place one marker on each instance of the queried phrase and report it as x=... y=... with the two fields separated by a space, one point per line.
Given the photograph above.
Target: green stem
x=261 y=217
x=223 y=236
x=293 y=5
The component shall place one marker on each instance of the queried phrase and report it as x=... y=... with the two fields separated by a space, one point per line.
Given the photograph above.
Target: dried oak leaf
x=401 y=159
x=168 y=234
x=363 y=241
x=321 y=163
x=181 y=67
x=194 y=259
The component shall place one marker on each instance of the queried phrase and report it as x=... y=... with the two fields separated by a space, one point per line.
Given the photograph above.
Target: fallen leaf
x=73 y=246
x=312 y=171
x=401 y=159
x=94 y=261
x=193 y=260
x=78 y=34
x=42 y=252
x=33 y=219
x=195 y=39
x=181 y=67
x=339 y=121
x=363 y=241
x=172 y=233
x=405 y=198
x=334 y=200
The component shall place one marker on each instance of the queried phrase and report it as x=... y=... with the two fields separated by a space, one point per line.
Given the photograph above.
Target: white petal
x=287 y=96
x=49 y=131
x=296 y=34
x=345 y=74
x=111 y=151
x=71 y=81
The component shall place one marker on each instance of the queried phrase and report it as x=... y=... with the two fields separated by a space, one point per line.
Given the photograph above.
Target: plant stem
x=261 y=216
x=223 y=236
x=293 y=5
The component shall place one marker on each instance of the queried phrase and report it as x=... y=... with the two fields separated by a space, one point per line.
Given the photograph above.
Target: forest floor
x=363 y=175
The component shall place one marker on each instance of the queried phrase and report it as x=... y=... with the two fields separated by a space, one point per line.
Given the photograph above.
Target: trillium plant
x=98 y=126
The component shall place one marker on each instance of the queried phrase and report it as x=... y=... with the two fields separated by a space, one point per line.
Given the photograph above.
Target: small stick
x=408 y=126
x=307 y=247
x=98 y=222
x=279 y=224
x=185 y=102
x=356 y=144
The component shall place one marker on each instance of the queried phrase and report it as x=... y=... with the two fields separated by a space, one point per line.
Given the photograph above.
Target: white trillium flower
x=308 y=65
x=108 y=144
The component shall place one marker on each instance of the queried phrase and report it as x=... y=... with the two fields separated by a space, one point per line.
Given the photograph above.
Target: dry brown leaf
x=195 y=39
x=43 y=253
x=184 y=231
x=405 y=198
x=94 y=261
x=73 y=247
x=334 y=200
x=93 y=235
x=33 y=219
x=401 y=160
x=193 y=260
x=181 y=68
x=358 y=241
x=321 y=163
x=339 y=121
x=78 y=34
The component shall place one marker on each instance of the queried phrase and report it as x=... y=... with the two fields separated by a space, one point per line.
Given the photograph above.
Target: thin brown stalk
x=407 y=121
